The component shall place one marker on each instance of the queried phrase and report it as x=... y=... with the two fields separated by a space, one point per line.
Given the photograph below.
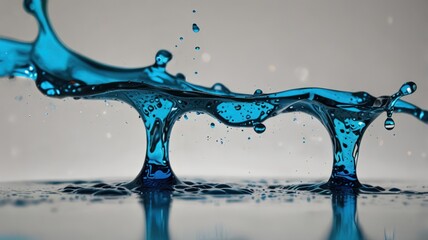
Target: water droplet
x=195 y=28
x=408 y=88
x=181 y=38
x=197 y=48
x=238 y=107
x=220 y=87
x=196 y=72
x=259 y=128
x=212 y=125
x=389 y=124
x=258 y=92
x=163 y=57
x=185 y=117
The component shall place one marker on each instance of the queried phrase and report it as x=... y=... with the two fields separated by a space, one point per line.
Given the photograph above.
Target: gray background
x=272 y=45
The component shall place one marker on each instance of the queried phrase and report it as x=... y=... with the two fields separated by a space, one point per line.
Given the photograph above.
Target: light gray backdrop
x=272 y=45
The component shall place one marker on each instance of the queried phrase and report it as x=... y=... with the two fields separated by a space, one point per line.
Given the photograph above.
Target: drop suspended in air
x=389 y=124
x=259 y=128
x=195 y=28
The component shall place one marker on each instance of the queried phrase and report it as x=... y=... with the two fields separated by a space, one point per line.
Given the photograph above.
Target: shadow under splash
x=345 y=223
x=156 y=205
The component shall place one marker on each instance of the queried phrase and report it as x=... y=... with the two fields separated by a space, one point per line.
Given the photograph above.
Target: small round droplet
x=259 y=128
x=197 y=48
x=220 y=87
x=212 y=125
x=258 y=92
x=181 y=38
x=193 y=11
x=162 y=57
x=195 y=28
x=408 y=88
x=238 y=107
x=389 y=124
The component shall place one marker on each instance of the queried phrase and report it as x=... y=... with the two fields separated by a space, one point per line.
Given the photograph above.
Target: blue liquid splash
x=162 y=98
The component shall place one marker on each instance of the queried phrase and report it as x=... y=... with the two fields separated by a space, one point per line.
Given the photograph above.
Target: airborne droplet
x=195 y=28
x=259 y=128
x=389 y=124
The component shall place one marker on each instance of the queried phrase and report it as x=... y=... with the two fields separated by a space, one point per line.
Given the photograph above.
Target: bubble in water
x=389 y=124
x=259 y=128
x=220 y=87
x=408 y=88
x=212 y=125
x=195 y=28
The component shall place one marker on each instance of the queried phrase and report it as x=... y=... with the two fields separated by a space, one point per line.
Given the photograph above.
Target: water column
x=346 y=130
x=158 y=113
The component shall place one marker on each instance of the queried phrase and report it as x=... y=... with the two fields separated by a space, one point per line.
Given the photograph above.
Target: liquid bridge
x=161 y=98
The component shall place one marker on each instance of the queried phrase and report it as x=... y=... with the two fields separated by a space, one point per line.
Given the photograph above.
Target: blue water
x=283 y=205
x=162 y=98
x=195 y=28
